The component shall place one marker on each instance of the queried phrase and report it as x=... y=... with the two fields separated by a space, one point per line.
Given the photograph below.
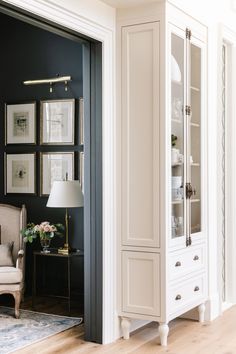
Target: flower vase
x=45 y=243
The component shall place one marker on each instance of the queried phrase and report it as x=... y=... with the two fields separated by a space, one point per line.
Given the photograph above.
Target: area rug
x=30 y=328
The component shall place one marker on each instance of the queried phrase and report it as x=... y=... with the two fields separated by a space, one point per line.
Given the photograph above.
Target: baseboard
x=226 y=305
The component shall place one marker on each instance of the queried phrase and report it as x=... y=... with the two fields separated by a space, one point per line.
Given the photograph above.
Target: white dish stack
x=177 y=188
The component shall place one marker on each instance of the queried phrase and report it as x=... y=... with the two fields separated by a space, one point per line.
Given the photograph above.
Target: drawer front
x=187 y=261
x=187 y=292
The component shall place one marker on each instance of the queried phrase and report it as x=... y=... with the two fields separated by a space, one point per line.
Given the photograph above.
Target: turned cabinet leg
x=163 y=332
x=125 y=326
x=201 y=312
x=17 y=297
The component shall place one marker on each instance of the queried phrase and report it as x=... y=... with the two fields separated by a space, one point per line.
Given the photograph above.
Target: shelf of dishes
x=177 y=159
x=178 y=191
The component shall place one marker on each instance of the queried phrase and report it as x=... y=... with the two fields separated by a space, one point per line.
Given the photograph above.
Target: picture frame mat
x=16 y=166
x=57 y=161
x=20 y=123
x=57 y=122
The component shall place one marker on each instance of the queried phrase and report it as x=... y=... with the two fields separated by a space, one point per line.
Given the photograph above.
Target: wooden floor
x=185 y=337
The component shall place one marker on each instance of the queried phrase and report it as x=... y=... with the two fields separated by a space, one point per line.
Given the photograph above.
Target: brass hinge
x=188 y=34
x=188 y=110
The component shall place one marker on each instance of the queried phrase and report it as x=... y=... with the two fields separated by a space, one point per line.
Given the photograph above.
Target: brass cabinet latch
x=188 y=34
x=188 y=110
x=189 y=190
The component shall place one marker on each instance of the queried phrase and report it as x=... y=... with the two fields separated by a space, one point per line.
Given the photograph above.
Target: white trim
x=228 y=37
x=82 y=24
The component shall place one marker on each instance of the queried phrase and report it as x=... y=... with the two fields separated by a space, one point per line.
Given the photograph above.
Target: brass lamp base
x=65 y=250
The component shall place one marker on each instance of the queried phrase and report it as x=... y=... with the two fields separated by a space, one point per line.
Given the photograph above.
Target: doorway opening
x=34 y=48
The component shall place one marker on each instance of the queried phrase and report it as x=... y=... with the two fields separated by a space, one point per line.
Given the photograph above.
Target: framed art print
x=57 y=122
x=55 y=166
x=20 y=123
x=20 y=173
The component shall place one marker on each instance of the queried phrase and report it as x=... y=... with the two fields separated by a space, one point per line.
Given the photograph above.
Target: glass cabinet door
x=195 y=138
x=177 y=136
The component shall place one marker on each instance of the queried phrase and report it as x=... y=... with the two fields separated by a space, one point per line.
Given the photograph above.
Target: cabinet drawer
x=186 y=292
x=187 y=261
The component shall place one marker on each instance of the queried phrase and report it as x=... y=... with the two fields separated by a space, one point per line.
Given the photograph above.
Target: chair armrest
x=19 y=261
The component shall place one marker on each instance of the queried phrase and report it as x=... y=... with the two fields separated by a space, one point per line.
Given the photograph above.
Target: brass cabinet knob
x=178 y=297
x=196 y=288
x=196 y=258
x=178 y=264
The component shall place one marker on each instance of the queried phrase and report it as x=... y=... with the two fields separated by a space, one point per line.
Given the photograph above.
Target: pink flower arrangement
x=43 y=231
x=45 y=227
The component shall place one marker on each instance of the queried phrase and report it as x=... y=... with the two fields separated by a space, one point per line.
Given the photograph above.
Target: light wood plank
x=185 y=336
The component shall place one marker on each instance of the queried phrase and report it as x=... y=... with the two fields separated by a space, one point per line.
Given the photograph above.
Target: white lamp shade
x=65 y=194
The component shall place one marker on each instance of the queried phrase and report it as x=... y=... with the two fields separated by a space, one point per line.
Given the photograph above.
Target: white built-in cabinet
x=163 y=241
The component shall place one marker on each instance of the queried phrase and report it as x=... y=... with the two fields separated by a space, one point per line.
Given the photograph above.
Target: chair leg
x=17 y=297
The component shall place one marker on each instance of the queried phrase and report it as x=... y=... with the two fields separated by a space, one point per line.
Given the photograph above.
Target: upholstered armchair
x=12 y=220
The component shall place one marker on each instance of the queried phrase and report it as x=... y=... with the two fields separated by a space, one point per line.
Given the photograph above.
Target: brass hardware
x=189 y=190
x=196 y=288
x=178 y=297
x=188 y=34
x=178 y=264
x=188 y=110
x=188 y=241
x=196 y=258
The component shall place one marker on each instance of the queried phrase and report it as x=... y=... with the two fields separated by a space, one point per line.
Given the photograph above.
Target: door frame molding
x=227 y=37
x=82 y=24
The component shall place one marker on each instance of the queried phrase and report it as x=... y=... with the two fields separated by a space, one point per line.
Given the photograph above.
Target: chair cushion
x=6 y=255
x=10 y=275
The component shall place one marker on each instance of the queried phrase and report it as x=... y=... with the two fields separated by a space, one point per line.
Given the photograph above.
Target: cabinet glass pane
x=177 y=135
x=195 y=129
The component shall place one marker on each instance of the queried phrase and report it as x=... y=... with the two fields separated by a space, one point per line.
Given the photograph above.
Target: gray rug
x=30 y=328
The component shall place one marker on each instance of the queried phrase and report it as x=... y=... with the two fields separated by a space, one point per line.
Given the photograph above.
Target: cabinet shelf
x=195 y=89
x=195 y=125
x=175 y=202
x=195 y=200
x=195 y=164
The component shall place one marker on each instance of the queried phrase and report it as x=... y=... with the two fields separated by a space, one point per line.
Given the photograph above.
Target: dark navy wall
x=28 y=52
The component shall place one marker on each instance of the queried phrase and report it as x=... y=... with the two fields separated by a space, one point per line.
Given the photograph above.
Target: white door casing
x=226 y=222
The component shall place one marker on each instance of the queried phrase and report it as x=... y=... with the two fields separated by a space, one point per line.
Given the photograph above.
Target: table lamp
x=65 y=194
